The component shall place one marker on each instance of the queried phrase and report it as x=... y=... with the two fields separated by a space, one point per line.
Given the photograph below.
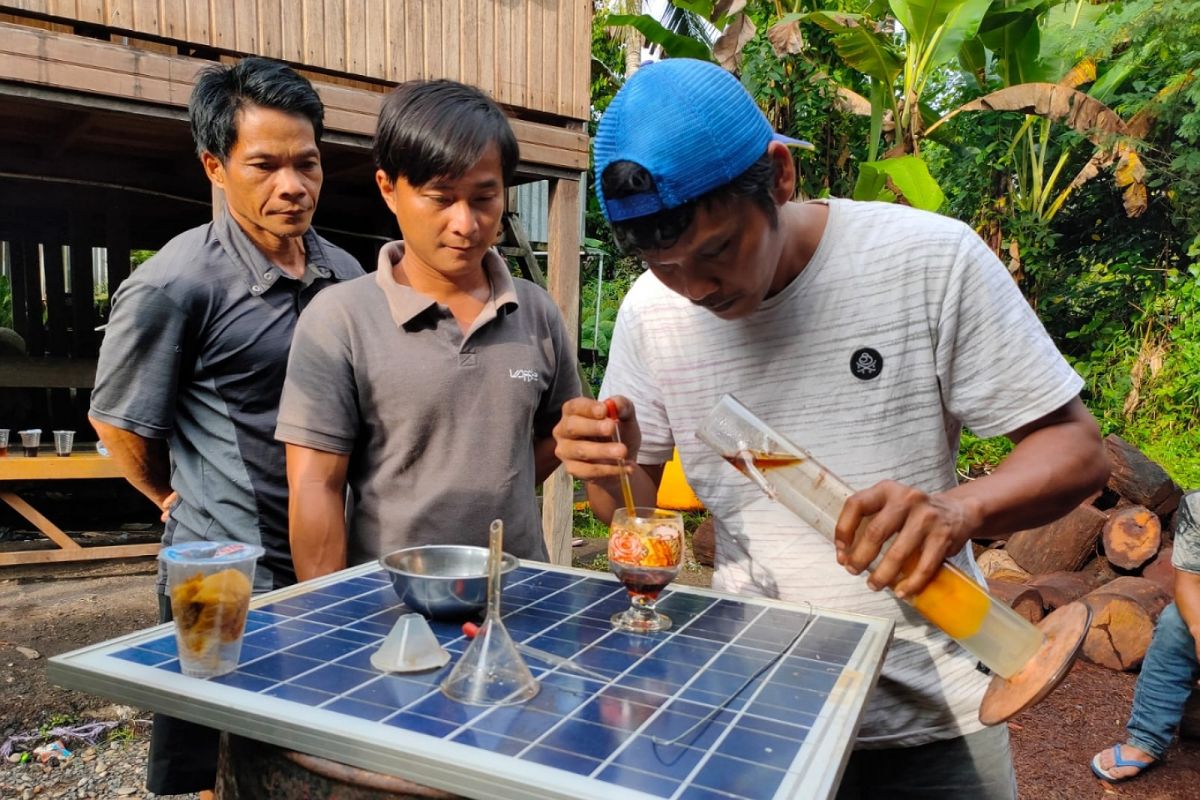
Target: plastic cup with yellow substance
x=209 y=585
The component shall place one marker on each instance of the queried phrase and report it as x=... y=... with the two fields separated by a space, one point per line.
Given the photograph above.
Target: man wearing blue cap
x=869 y=333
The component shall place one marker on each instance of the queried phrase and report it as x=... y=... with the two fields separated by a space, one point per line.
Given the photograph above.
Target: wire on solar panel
x=707 y=718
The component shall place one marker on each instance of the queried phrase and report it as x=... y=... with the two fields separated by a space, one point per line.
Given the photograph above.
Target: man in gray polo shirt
x=433 y=386
x=193 y=359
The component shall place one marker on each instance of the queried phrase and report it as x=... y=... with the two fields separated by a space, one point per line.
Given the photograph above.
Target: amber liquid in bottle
x=952 y=601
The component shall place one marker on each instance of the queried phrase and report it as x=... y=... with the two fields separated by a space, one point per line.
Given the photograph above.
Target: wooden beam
x=563 y=285
x=93 y=67
x=47 y=373
x=82 y=554
x=39 y=521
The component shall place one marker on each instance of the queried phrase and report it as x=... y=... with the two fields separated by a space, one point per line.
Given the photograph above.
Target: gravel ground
x=114 y=769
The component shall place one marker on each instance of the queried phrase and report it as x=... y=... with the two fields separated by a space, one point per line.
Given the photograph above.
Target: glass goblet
x=645 y=551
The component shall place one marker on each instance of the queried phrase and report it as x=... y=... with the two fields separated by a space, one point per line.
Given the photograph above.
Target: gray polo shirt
x=439 y=425
x=195 y=352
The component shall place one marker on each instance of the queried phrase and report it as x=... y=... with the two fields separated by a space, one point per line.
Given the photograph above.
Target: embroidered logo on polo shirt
x=527 y=375
x=866 y=363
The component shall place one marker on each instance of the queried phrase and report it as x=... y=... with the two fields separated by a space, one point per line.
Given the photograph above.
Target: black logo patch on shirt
x=866 y=363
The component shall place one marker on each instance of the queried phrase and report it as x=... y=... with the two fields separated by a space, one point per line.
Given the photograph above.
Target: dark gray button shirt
x=439 y=424
x=195 y=353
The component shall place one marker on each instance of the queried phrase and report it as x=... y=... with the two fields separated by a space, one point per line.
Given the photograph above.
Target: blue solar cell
x=351 y=635
x=584 y=738
x=580 y=765
x=244 y=680
x=326 y=648
x=685 y=650
x=164 y=644
x=390 y=691
x=298 y=694
x=359 y=659
x=139 y=656
x=739 y=778
x=279 y=666
x=490 y=741
x=674 y=761
x=701 y=793
x=357 y=708
x=380 y=628
x=516 y=722
x=334 y=678
x=760 y=748
x=418 y=724
x=555 y=700
x=676 y=729
x=669 y=674
x=615 y=713
x=438 y=706
x=641 y=781
x=791 y=698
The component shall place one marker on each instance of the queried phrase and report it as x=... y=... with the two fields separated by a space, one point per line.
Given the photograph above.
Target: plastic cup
x=63 y=442
x=209 y=584
x=3 y=442
x=31 y=440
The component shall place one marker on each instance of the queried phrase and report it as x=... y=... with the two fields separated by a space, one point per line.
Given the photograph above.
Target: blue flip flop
x=1120 y=761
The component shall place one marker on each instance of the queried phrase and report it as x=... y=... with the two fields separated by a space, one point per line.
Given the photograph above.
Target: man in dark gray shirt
x=194 y=356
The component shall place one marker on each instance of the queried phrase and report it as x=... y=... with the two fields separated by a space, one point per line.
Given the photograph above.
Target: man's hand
x=586 y=447
x=166 y=505
x=925 y=530
x=584 y=438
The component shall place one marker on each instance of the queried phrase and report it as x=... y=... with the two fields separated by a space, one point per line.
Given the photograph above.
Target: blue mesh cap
x=690 y=124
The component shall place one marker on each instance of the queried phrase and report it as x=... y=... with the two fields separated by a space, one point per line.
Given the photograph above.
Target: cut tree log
x=1065 y=544
x=1138 y=479
x=1123 y=615
x=1025 y=600
x=1161 y=571
x=995 y=564
x=1099 y=572
x=704 y=543
x=1059 y=588
x=1131 y=536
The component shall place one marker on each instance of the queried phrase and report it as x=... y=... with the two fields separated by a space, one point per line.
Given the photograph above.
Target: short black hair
x=664 y=228
x=440 y=129
x=221 y=91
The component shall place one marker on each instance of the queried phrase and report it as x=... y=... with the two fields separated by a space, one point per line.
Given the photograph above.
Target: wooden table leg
x=52 y=531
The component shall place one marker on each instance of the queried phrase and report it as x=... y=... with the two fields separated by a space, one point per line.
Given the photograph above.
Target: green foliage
x=980 y=456
x=908 y=175
x=6 y=302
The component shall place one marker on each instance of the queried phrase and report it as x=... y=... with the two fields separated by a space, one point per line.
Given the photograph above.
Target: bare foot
x=1106 y=759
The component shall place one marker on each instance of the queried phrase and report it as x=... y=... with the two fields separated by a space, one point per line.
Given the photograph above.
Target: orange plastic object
x=674 y=492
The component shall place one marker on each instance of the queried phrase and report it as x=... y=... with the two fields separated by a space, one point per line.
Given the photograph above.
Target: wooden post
x=563 y=284
x=116 y=242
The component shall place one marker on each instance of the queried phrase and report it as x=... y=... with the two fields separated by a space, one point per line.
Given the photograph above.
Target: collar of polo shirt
x=405 y=303
x=262 y=273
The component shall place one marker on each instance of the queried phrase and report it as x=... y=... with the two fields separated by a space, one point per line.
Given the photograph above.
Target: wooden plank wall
x=530 y=55
x=54 y=307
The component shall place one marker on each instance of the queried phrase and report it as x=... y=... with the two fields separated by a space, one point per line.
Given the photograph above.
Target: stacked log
x=1112 y=552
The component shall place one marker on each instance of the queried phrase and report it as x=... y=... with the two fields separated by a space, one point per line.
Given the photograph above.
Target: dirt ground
x=51 y=610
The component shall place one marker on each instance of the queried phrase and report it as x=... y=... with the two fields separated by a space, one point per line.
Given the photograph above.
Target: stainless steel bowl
x=442 y=581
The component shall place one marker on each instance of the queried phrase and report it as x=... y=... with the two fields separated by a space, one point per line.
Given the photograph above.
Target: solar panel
x=305 y=682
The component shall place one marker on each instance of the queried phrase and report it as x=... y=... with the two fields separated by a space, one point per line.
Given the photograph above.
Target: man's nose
x=463 y=222
x=290 y=183
x=696 y=287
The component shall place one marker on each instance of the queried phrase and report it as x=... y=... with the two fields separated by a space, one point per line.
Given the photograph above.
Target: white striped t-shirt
x=958 y=345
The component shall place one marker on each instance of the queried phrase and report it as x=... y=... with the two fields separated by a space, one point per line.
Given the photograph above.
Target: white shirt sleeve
x=997 y=366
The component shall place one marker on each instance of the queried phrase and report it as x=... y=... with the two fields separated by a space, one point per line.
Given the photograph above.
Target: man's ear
x=783 y=186
x=387 y=189
x=213 y=168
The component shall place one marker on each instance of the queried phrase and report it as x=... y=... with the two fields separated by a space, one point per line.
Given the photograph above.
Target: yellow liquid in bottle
x=952 y=601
